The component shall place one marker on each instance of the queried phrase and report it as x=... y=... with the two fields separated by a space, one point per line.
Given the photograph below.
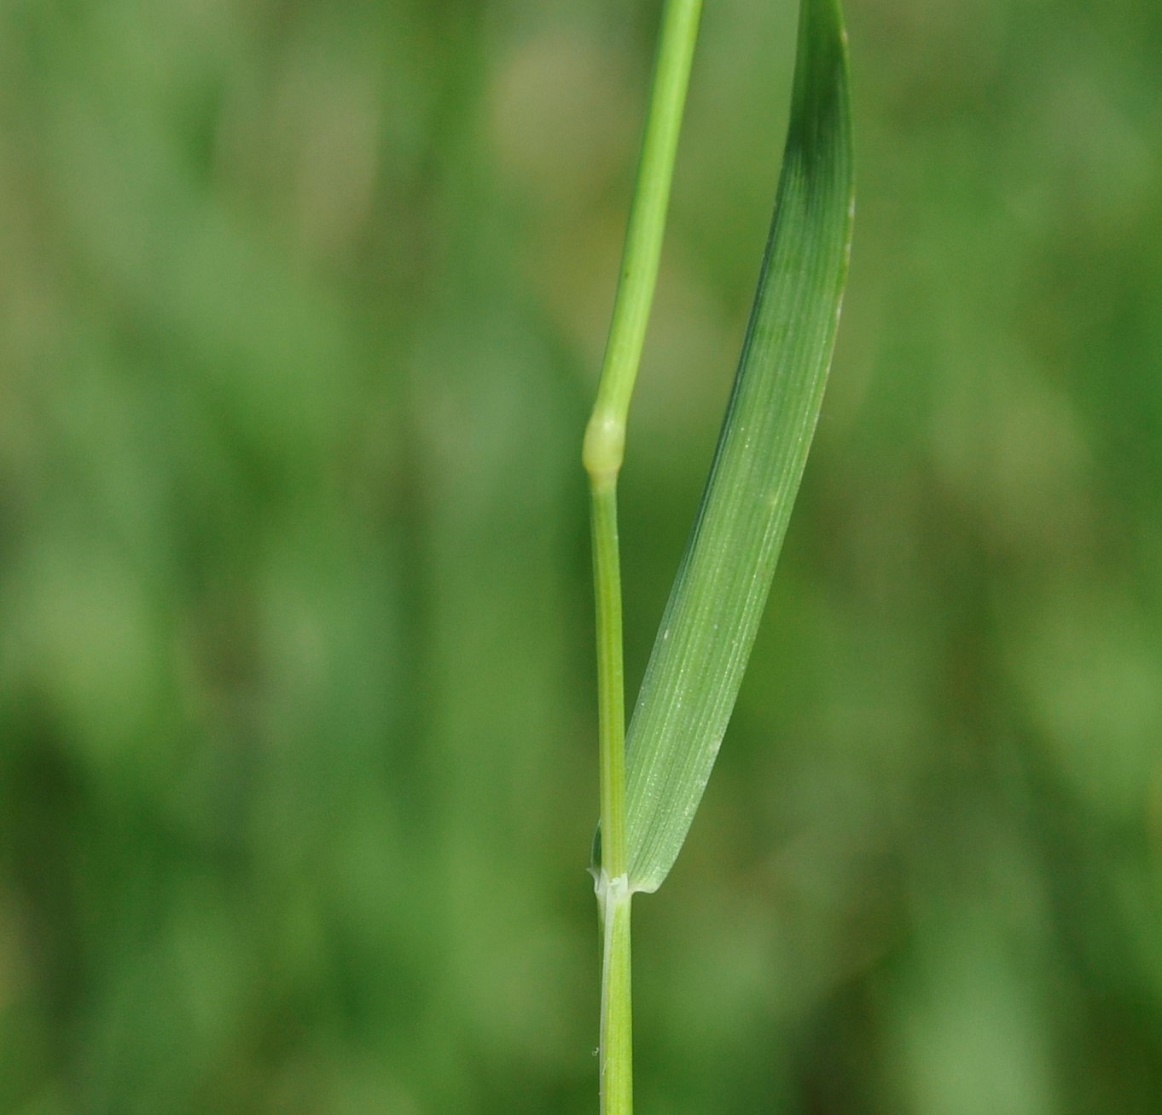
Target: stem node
x=604 y=447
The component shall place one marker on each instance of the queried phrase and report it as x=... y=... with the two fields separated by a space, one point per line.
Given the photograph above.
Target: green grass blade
x=718 y=597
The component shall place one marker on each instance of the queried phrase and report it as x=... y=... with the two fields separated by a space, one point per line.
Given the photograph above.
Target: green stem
x=602 y=454
x=610 y=677
x=616 y=1001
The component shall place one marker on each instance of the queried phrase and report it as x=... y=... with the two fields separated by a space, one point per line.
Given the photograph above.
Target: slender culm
x=649 y=793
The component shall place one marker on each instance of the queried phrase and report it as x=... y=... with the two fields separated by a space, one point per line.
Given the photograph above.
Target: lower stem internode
x=616 y=1002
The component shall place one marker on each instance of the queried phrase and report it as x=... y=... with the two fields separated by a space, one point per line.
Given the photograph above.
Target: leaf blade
x=712 y=617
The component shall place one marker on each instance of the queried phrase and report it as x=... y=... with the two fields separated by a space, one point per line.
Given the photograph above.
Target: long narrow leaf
x=718 y=597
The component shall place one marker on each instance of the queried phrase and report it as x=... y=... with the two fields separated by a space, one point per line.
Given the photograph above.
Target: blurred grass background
x=301 y=307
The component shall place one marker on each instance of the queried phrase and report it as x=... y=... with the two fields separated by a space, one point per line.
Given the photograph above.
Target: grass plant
x=652 y=779
x=293 y=299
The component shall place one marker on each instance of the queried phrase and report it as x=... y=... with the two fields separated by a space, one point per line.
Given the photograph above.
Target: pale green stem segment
x=602 y=454
x=605 y=435
x=617 y=1014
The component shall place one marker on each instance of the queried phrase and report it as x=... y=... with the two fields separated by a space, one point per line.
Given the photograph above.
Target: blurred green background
x=301 y=306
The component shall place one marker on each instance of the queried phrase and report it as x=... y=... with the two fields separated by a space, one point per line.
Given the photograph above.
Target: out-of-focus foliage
x=301 y=306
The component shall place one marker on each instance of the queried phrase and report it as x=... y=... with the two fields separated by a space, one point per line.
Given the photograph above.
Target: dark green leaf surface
x=705 y=638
